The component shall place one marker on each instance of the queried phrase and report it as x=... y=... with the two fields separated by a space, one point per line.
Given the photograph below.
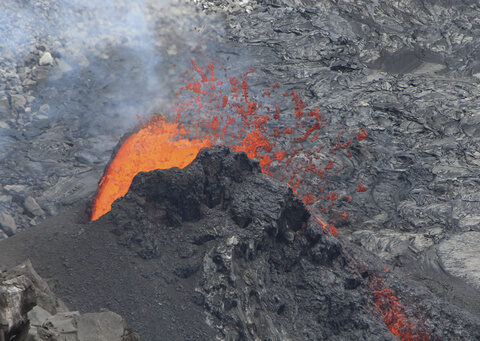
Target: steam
x=112 y=60
x=72 y=23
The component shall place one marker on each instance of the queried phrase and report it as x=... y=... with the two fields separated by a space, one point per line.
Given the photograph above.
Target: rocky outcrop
x=29 y=311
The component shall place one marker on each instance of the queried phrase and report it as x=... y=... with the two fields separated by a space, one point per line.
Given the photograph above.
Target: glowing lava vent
x=157 y=145
x=295 y=144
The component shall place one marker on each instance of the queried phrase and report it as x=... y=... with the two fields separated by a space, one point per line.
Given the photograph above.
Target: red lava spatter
x=393 y=313
x=286 y=145
x=386 y=303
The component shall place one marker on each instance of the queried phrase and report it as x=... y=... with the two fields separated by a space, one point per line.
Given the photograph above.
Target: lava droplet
x=361 y=187
x=362 y=135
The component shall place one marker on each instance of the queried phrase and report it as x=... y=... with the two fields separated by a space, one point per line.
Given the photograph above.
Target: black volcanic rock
x=220 y=250
x=216 y=181
x=259 y=262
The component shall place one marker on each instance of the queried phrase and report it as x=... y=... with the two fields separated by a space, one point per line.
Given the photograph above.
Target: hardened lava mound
x=257 y=267
x=260 y=267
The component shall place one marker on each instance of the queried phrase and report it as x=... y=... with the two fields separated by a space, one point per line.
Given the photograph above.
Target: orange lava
x=282 y=141
x=157 y=145
x=223 y=108
x=393 y=313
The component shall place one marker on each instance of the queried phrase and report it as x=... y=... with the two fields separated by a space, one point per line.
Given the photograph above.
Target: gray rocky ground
x=73 y=77
x=408 y=71
x=29 y=311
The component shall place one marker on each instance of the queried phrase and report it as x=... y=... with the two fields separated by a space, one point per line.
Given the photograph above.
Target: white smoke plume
x=111 y=60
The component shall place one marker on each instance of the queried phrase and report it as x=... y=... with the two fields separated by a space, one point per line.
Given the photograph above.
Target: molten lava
x=286 y=145
x=158 y=145
x=393 y=313
x=224 y=109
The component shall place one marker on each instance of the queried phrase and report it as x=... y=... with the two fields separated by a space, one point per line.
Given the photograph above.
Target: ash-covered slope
x=29 y=311
x=219 y=249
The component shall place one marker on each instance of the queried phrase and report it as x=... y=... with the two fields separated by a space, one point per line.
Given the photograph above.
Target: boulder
x=7 y=199
x=33 y=207
x=17 y=296
x=29 y=311
x=46 y=59
x=18 y=102
x=7 y=224
x=37 y=316
x=15 y=189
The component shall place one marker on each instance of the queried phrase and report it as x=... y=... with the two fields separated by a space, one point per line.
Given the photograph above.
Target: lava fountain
x=285 y=145
x=157 y=145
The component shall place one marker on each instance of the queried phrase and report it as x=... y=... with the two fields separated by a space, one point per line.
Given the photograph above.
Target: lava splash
x=223 y=109
x=157 y=145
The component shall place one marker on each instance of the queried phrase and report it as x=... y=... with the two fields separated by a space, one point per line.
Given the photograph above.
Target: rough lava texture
x=409 y=72
x=406 y=70
x=29 y=311
x=265 y=272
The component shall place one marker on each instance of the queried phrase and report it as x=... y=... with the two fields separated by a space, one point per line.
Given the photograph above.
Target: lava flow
x=158 y=145
x=393 y=313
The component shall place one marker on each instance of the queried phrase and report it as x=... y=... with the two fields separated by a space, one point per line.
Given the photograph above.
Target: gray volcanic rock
x=33 y=207
x=29 y=311
x=405 y=70
x=7 y=223
x=459 y=256
x=46 y=59
x=69 y=91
